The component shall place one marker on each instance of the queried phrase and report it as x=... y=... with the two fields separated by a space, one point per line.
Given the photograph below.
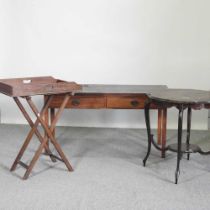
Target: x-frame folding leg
x=43 y=140
x=30 y=122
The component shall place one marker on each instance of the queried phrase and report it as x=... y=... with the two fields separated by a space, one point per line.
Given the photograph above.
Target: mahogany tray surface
x=28 y=86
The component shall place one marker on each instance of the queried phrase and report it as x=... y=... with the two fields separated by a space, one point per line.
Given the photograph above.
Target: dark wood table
x=181 y=99
x=93 y=96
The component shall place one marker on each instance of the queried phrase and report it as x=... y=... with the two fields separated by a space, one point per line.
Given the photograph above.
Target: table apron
x=103 y=101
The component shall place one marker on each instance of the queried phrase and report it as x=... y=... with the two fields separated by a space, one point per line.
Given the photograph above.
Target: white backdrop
x=111 y=42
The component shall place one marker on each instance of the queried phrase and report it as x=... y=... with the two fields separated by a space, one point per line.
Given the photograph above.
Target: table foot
x=177 y=173
x=163 y=155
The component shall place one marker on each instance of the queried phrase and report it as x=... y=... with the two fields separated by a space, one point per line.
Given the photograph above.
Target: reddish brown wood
x=164 y=130
x=103 y=101
x=159 y=130
x=30 y=134
x=49 y=133
x=52 y=118
x=113 y=97
x=30 y=122
x=207 y=106
x=126 y=101
x=95 y=97
x=94 y=101
x=47 y=86
x=36 y=86
x=46 y=118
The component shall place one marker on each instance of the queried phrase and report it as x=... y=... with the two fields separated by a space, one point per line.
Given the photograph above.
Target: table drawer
x=81 y=102
x=126 y=102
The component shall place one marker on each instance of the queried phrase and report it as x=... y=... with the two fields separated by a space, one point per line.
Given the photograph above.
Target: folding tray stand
x=25 y=88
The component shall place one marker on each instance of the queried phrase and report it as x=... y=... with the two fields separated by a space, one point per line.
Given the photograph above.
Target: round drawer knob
x=134 y=103
x=75 y=102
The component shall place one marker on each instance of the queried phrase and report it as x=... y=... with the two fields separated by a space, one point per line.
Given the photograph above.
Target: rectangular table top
x=119 y=89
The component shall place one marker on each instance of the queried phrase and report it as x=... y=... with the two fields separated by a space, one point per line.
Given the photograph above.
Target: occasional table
x=26 y=88
x=182 y=99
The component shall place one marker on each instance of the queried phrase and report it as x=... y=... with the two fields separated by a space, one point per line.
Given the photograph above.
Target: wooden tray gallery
x=36 y=86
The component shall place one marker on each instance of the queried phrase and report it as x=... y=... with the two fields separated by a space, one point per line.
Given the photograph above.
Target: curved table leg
x=147 y=119
x=179 y=152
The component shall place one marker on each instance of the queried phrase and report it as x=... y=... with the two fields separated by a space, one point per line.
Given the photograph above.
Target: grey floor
x=108 y=173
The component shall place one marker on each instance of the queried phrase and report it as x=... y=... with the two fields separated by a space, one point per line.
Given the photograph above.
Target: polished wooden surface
x=109 y=97
x=126 y=101
x=94 y=101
